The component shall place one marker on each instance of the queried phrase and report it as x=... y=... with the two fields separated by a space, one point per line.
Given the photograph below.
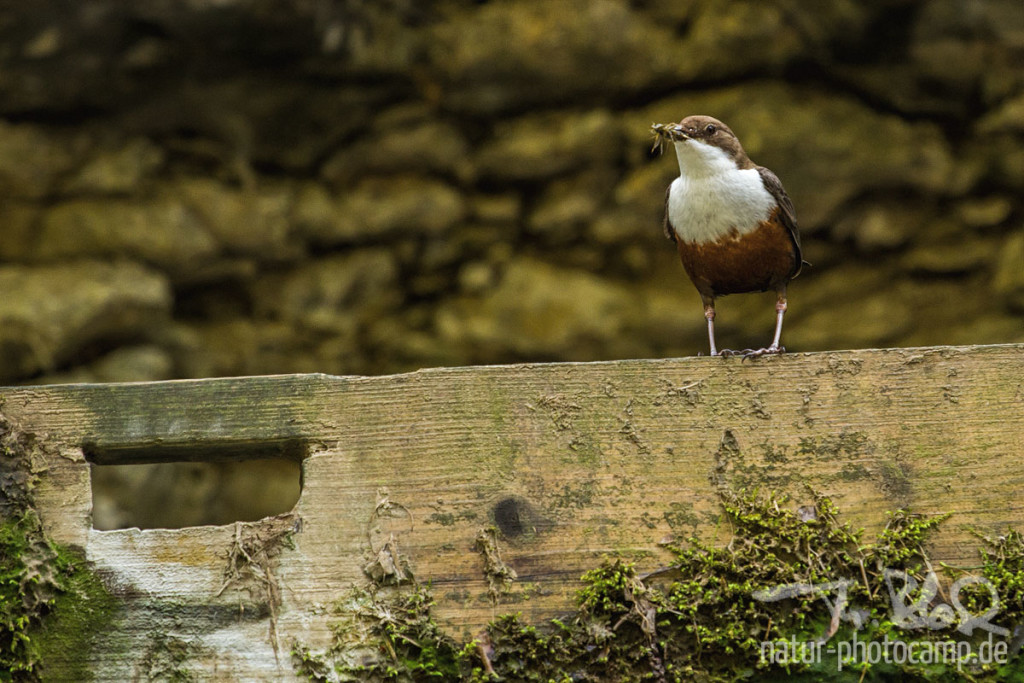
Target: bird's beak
x=667 y=132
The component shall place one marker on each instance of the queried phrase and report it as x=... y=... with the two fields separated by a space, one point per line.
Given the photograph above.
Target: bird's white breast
x=712 y=198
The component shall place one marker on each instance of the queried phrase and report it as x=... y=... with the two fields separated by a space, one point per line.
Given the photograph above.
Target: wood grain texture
x=570 y=461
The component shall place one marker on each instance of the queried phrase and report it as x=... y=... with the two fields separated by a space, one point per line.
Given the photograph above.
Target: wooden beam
x=569 y=461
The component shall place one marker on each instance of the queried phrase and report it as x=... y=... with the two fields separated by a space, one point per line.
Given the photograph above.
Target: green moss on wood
x=51 y=604
x=81 y=614
x=29 y=582
x=705 y=617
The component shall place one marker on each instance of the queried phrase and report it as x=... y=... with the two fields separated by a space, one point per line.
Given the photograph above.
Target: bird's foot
x=752 y=352
x=773 y=350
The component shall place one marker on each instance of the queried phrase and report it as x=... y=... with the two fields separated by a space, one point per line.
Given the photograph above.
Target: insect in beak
x=665 y=133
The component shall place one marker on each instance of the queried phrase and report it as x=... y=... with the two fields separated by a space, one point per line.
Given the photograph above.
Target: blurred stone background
x=195 y=188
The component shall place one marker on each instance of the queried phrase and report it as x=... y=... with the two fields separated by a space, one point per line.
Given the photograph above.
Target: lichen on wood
x=387 y=564
x=499 y=575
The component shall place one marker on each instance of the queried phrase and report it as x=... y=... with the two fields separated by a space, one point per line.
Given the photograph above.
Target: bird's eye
x=711 y=129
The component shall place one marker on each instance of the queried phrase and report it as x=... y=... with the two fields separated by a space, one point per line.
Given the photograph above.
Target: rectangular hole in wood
x=173 y=487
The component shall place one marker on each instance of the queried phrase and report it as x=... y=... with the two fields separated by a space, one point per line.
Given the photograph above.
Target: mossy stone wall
x=262 y=186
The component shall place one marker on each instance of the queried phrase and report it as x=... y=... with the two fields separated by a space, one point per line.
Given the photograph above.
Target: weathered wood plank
x=570 y=461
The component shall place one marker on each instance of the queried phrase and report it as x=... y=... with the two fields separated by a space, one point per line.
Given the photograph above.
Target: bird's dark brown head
x=708 y=130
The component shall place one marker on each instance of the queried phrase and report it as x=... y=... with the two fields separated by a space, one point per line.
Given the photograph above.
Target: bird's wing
x=666 y=226
x=787 y=214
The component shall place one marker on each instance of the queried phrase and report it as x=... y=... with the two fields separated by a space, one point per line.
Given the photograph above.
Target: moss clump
x=710 y=615
x=30 y=578
x=51 y=605
x=31 y=570
x=379 y=638
x=1004 y=567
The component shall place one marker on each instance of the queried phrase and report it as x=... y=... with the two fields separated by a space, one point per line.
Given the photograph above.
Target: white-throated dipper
x=731 y=220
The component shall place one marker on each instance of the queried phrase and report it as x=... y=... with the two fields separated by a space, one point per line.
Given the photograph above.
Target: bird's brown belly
x=762 y=259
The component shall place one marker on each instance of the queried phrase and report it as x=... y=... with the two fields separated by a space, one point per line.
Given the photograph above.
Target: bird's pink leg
x=780 y=312
x=709 y=314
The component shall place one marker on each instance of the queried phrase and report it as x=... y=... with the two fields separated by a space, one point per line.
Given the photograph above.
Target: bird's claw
x=752 y=353
x=768 y=351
